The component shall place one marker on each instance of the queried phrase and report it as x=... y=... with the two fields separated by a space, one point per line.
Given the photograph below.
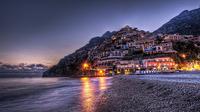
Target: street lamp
x=101 y=72
x=85 y=67
x=183 y=56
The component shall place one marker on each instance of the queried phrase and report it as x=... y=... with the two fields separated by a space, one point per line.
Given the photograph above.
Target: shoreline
x=90 y=76
x=141 y=95
x=158 y=73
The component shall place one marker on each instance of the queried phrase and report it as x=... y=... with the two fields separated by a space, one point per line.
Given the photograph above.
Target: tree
x=188 y=48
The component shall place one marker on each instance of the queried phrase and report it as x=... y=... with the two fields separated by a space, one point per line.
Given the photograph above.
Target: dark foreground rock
x=129 y=94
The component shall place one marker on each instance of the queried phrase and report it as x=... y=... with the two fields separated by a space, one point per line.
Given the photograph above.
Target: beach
x=150 y=94
x=123 y=93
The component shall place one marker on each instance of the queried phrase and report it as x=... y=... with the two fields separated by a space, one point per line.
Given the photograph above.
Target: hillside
x=70 y=65
x=186 y=23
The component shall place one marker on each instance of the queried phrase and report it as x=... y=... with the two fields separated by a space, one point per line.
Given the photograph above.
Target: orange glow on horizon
x=20 y=58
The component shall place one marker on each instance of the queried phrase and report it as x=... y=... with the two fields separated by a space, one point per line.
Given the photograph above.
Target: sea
x=33 y=93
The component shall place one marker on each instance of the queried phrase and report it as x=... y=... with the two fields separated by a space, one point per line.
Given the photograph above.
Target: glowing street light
x=101 y=72
x=85 y=68
x=85 y=65
x=183 y=56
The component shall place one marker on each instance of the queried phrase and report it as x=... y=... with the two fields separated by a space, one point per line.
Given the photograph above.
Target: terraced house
x=130 y=50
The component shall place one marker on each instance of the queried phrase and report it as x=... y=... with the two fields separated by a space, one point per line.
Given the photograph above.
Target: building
x=127 y=66
x=145 y=43
x=172 y=37
x=154 y=49
x=163 y=47
x=159 y=64
x=108 y=59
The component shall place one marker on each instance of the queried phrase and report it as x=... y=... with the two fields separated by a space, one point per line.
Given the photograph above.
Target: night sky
x=43 y=31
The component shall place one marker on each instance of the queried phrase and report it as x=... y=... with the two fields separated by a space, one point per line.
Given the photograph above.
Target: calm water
x=20 y=75
x=51 y=94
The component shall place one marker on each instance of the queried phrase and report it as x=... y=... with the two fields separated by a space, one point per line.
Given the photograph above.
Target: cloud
x=22 y=67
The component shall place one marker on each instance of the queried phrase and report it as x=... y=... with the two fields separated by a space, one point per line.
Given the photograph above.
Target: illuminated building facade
x=159 y=63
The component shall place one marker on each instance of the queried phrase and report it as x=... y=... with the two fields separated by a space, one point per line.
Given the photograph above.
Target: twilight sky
x=43 y=31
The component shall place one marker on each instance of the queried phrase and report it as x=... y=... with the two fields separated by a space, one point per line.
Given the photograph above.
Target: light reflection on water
x=89 y=92
x=102 y=83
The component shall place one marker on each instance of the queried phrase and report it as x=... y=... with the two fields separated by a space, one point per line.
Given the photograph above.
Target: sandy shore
x=128 y=94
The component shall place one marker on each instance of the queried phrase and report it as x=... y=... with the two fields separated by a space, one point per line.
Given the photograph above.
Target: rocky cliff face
x=70 y=65
x=186 y=23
